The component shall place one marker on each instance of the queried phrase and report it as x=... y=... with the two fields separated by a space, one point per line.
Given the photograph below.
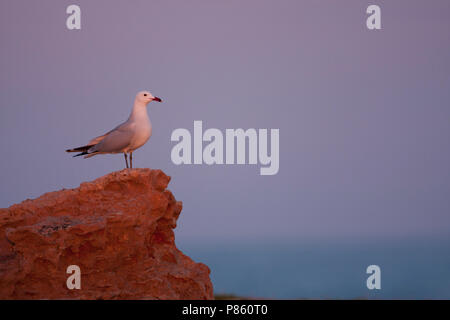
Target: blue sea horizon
x=410 y=269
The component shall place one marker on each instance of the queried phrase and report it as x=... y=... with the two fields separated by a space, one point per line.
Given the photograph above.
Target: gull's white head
x=146 y=97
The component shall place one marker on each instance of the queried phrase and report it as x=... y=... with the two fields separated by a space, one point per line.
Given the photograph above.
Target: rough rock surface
x=118 y=229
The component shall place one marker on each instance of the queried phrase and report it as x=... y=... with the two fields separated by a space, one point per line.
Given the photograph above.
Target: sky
x=363 y=115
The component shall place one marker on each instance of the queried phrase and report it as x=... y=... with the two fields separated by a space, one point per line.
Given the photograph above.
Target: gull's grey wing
x=116 y=140
x=97 y=140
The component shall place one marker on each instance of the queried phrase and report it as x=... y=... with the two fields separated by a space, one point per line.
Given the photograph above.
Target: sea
x=409 y=269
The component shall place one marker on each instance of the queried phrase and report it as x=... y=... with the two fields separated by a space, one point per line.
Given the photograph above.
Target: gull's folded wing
x=97 y=140
x=115 y=141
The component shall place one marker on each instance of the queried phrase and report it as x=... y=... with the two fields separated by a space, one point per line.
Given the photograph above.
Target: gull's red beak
x=157 y=99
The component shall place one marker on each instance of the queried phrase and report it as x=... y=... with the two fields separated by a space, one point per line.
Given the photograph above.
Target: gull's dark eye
x=145 y=94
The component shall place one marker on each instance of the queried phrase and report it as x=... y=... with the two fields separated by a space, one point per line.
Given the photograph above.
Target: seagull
x=126 y=137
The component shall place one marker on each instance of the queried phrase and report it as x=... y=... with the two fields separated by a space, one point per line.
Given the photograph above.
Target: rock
x=118 y=229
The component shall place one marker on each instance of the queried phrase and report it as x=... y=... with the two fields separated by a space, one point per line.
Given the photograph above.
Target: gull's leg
x=126 y=158
x=131 y=160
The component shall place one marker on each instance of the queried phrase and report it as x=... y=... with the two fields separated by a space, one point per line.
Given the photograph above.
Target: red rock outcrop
x=118 y=229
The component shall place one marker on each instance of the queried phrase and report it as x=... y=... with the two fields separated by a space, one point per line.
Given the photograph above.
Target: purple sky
x=363 y=115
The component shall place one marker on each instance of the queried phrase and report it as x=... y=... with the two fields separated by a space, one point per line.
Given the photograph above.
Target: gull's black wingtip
x=80 y=149
x=80 y=154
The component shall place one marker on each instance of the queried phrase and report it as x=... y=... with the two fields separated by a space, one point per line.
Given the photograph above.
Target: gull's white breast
x=142 y=132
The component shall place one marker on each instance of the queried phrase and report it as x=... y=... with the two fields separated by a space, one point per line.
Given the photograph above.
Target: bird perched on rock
x=126 y=137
